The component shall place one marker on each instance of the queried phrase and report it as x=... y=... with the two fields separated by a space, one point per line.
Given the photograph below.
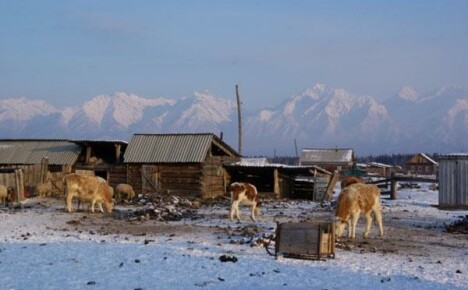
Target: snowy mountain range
x=320 y=116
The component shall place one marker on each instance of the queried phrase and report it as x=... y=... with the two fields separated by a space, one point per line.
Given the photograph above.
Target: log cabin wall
x=188 y=180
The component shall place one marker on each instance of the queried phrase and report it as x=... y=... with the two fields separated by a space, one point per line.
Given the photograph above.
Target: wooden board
x=308 y=240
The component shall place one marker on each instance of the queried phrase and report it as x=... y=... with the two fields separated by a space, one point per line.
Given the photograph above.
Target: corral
x=144 y=253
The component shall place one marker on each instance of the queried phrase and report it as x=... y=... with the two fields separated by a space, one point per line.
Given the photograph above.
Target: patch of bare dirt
x=401 y=236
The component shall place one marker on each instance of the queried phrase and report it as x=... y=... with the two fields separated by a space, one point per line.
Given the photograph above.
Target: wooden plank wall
x=195 y=180
x=118 y=174
x=214 y=182
x=32 y=174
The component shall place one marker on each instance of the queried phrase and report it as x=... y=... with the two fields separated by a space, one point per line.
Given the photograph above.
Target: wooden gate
x=150 y=176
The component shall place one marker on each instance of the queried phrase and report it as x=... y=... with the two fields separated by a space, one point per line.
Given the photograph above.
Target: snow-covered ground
x=43 y=247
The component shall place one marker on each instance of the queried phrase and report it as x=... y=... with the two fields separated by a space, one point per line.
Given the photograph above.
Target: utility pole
x=239 y=118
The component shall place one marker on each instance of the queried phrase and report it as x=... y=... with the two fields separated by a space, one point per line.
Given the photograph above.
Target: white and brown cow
x=353 y=200
x=87 y=188
x=244 y=193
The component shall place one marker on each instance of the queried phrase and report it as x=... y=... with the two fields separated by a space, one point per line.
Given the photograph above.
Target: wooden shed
x=188 y=165
x=281 y=180
x=421 y=164
x=329 y=159
x=36 y=158
x=52 y=158
x=453 y=180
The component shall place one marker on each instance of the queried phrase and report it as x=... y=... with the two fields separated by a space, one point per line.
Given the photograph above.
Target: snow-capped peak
x=408 y=93
x=129 y=108
x=208 y=107
x=24 y=109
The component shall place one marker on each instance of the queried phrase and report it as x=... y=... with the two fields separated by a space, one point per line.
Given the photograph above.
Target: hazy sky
x=66 y=52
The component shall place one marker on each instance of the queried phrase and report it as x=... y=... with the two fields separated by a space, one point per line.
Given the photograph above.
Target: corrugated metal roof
x=453 y=156
x=59 y=152
x=250 y=163
x=326 y=156
x=168 y=148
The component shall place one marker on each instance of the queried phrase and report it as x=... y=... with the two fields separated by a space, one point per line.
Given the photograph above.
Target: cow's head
x=340 y=226
x=109 y=205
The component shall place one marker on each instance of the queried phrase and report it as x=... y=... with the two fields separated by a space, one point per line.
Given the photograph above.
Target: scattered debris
x=227 y=258
x=460 y=226
x=160 y=208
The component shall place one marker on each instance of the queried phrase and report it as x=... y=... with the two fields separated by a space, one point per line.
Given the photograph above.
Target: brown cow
x=244 y=193
x=353 y=200
x=87 y=188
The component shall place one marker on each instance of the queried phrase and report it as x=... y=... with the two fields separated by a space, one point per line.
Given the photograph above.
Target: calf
x=353 y=200
x=244 y=193
x=87 y=188
x=124 y=191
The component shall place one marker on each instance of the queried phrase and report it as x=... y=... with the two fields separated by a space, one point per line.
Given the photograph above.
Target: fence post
x=393 y=187
x=19 y=184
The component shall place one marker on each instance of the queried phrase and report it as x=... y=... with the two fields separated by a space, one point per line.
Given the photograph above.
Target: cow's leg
x=93 y=202
x=378 y=217
x=100 y=207
x=355 y=218
x=235 y=209
x=252 y=216
x=69 y=201
x=349 y=222
x=368 y=225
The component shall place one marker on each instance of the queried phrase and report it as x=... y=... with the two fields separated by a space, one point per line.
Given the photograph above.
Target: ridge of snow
x=129 y=108
x=24 y=109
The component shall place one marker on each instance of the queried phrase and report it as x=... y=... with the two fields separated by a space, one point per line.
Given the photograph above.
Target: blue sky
x=66 y=52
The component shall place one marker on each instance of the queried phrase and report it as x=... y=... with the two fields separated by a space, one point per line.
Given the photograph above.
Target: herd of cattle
x=356 y=198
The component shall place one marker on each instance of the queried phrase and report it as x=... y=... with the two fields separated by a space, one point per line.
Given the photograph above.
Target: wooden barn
x=328 y=159
x=421 y=164
x=280 y=180
x=102 y=158
x=453 y=180
x=188 y=165
x=41 y=159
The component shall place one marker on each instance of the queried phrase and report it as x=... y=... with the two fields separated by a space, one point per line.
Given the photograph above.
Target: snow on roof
x=326 y=156
x=428 y=158
x=454 y=155
x=258 y=162
x=377 y=164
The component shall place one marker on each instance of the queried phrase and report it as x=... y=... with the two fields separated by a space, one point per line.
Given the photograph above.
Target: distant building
x=381 y=169
x=453 y=180
x=276 y=180
x=421 y=164
x=328 y=159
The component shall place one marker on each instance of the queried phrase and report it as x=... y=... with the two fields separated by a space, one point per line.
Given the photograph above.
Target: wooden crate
x=305 y=240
